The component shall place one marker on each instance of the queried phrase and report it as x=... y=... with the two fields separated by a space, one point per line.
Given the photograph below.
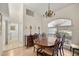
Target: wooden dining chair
x=61 y=45
x=56 y=46
x=36 y=36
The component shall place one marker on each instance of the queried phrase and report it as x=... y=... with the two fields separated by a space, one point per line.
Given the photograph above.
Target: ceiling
x=40 y=8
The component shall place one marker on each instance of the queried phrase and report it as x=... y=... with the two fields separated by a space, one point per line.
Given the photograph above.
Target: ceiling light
x=49 y=12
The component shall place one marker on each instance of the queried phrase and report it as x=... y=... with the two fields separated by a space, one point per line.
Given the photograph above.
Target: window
x=61 y=25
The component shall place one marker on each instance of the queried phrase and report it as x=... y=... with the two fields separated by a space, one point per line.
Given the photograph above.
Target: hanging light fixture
x=49 y=12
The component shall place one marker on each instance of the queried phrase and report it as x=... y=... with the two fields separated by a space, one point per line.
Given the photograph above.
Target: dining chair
x=56 y=46
x=61 y=45
x=43 y=34
x=36 y=36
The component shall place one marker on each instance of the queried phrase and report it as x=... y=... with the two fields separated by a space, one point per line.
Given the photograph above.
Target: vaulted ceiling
x=40 y=8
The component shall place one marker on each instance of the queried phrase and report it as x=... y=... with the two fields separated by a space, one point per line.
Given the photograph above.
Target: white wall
x=16 y=17
x=45 y=25
x=5 y=13
x=34 y=21
x=0 y=43
x=71 y=12
x=2 y=34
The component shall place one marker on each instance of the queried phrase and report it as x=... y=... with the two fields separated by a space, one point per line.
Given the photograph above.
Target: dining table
x=45 y=42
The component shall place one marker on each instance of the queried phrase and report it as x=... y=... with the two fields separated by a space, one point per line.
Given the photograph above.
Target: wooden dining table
x=45 y=42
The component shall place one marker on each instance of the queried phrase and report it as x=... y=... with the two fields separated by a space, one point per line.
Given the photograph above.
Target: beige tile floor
x=23 y=51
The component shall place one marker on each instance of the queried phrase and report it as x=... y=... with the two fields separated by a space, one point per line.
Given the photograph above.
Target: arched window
x=60 y=22
x=61 y=25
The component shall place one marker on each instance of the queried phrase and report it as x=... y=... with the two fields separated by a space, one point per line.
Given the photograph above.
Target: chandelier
x=49 y=12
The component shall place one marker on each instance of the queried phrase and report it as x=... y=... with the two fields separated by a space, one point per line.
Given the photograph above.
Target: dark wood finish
x=36 y=36
x=61 y=45
x=45 y=43
x=73 y=52
x=29 y=40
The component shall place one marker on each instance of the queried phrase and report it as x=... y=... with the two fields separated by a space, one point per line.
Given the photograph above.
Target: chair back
x=56 y=44
x=43 y=36
x=36 y=36
x=63 y=40
x=58 y=35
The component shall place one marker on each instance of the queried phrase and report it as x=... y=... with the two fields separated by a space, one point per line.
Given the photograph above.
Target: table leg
x=73 y=52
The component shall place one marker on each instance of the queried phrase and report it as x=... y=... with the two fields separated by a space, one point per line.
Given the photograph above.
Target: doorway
x=11 y=35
